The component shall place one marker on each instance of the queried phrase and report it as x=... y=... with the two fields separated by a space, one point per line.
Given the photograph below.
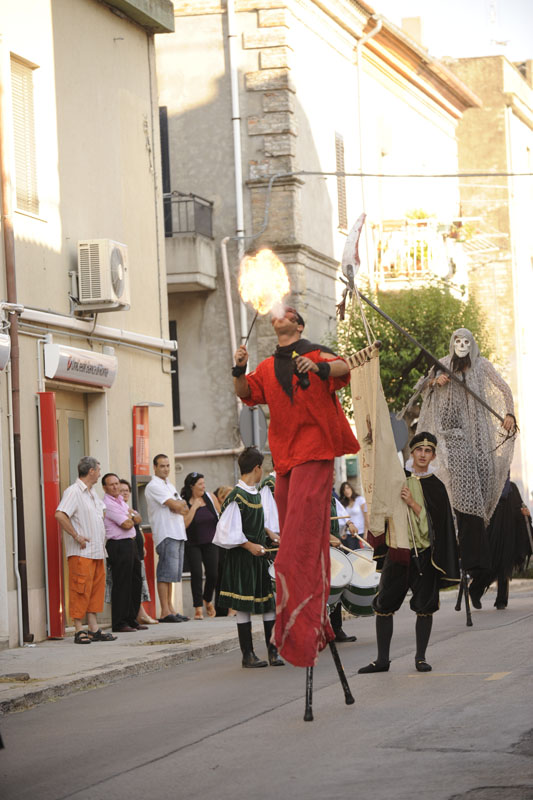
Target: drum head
x=341 y=569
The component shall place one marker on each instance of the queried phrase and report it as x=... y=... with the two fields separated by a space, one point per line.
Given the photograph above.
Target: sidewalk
x=55 y=668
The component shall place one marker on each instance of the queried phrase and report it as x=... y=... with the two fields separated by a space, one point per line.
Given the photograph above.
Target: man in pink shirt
x=122 y=552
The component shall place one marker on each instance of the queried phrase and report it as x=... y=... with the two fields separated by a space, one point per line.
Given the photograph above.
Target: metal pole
x=433 y=358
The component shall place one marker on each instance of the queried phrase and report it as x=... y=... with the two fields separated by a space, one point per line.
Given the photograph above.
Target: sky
x=462 y=28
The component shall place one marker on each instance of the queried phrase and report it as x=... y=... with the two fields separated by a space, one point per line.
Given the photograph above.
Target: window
x=341 y=182
x=27 y=198
x=175 y=378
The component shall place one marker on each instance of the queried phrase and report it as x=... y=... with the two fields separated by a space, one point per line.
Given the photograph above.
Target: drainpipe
x=9 y=257
x=359 y=47
x=237 y=154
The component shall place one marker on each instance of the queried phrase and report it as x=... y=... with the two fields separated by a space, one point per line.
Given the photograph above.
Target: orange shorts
x=86 y=579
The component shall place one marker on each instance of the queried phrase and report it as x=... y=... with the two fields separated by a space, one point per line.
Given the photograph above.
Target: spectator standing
x=201 y=523
x=356 y=508
x=121 y=549
x=81 y=516
x=166 y=511
x=142 y=617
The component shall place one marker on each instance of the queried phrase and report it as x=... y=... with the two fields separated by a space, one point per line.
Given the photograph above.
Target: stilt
x=348 y=696
x=463 y=590
x=308 y=716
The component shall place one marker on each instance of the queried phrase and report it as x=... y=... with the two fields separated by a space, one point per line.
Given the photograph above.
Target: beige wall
x=99 y=177
x=499 y=137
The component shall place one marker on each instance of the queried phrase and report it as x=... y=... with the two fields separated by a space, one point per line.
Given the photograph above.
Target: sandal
x=82 y=637
x=100 y=636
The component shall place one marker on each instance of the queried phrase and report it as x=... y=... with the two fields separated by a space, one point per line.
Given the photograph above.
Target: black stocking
x=384 y=627
x=423 y=632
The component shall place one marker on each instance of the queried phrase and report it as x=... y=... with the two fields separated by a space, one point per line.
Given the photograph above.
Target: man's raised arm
x=240 y=382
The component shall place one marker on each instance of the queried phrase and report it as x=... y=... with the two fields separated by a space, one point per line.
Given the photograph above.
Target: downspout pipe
x=237 y=149
x=359 y=47
x=11 y=286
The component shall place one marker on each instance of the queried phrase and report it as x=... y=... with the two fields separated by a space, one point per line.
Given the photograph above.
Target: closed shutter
x=341 y=182
x=27 y=198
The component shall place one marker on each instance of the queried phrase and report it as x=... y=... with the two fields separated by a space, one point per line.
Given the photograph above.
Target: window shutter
x=341 y=182
x=27 y=198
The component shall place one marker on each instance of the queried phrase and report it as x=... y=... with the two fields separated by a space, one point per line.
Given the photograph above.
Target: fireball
x=263 y=281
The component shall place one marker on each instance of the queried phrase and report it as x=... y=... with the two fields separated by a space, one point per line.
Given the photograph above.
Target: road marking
x=490 y=676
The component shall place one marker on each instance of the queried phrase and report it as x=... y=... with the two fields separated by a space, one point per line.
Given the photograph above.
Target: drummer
x=433 y=562
x=245 y=585
x=335 y=615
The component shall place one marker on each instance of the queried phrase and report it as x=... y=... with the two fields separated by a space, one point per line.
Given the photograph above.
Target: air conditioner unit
x=103 y=277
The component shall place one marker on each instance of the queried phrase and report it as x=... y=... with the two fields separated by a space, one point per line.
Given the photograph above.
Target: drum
x=357 y=597
x=340 y=575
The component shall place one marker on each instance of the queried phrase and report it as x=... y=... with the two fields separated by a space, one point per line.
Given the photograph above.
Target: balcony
x=190 y=248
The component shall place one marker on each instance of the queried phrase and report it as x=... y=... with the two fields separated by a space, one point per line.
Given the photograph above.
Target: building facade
x=80 y=164
x=498 y=137
x=263 y=102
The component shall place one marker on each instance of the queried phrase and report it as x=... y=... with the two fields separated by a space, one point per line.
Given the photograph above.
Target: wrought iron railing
x=187 y=213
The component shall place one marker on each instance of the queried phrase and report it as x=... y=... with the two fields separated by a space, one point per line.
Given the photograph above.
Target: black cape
x=508 y=535
x=444 y=553
x=284 y=365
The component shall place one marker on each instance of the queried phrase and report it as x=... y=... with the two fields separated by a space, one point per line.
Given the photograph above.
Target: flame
x=263 y=281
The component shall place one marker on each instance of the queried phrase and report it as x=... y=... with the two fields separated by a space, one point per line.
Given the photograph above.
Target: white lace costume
x=474 y=451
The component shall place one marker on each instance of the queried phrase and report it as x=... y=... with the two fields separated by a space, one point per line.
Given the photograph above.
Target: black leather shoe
x=250 y=661
x=374 y=667
x=422 y=665
x=274 y=658
x=340 y=636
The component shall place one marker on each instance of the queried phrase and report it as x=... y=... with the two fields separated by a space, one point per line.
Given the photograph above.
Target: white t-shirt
x=355 y=513
x=165 y=524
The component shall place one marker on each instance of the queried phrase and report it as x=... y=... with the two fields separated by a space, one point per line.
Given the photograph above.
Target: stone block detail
x=273 y=17
x=268 y=80
x=270 y=37
x=279 y=145
x=188 y=8
x=275 y=57
x=277 y=122
x=258 y=5
x=270 y=166
x=278 y=101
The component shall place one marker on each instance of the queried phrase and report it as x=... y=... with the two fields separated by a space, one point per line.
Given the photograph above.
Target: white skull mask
x=461 y=346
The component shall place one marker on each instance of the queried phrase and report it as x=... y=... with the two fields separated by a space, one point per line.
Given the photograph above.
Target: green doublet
x=334 y=528
x=420 y=527
x=269 y=481
x=246 y=584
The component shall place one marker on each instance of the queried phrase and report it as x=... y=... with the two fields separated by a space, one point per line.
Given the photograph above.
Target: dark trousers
x=206 y=554
x=335 y=617
x=127 y=581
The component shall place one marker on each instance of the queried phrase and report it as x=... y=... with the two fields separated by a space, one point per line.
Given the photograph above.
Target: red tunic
x=310 y=428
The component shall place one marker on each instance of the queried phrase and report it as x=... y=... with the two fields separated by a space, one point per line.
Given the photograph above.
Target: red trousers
x=303 y=497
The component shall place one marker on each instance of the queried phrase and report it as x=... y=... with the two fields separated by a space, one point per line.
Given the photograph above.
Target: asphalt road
x=211 y=729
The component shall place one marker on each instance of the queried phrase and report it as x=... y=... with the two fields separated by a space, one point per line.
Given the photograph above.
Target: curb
x=102 y=676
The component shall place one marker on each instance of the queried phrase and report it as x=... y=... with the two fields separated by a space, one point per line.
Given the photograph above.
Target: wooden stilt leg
x=467 y=599
x=308 y=716
x=459 y=594
x=349 y=698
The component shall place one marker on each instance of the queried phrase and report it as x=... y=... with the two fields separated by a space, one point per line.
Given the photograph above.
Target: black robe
x=508 y=535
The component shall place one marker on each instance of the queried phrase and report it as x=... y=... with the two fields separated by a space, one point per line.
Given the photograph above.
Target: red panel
x=54 y=559
x=149 y=562
x=141 y=441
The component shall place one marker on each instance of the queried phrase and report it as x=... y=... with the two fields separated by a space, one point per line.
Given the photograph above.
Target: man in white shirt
x=165 y=512
x=81 y=515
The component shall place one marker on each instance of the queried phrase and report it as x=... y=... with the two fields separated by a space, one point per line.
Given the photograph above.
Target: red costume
x=306 y=432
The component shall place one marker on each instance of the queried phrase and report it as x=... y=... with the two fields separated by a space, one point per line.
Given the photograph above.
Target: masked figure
x=475 y=448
